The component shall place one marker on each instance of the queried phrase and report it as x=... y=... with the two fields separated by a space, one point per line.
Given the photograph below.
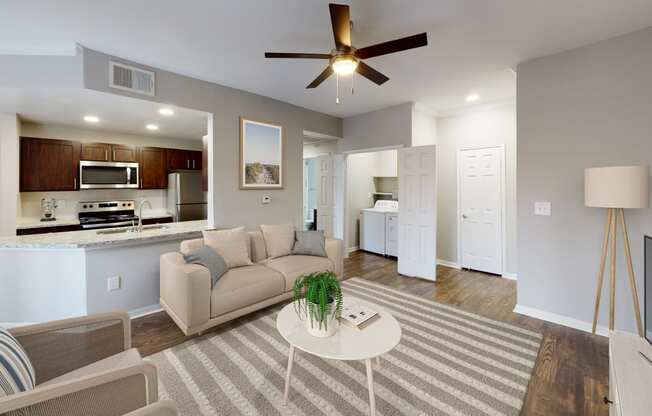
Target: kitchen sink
x=132 y=229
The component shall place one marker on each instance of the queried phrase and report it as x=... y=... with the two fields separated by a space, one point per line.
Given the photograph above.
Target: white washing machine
x=379 y=228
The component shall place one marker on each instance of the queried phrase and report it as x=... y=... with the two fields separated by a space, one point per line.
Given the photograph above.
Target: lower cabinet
x=46 y=230
x=150 y=221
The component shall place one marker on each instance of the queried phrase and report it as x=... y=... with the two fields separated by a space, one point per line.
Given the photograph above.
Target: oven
x=107 y=214
x=98 y=175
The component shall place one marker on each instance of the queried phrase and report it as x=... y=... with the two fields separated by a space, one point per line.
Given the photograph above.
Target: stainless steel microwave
x=98 y=175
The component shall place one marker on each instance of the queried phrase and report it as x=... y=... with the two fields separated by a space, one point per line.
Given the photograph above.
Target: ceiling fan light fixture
x=344 y=65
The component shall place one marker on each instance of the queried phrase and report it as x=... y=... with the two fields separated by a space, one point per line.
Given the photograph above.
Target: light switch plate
x=267 y=199
x=113 y=283
x=542 y=208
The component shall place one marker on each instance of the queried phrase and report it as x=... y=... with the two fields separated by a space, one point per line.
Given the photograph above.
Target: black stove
x=107 y=214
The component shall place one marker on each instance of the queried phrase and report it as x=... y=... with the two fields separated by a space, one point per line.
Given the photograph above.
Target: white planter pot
x=332 y=324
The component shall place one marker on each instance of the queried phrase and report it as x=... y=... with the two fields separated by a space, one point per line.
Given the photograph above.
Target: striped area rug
x=449 y=362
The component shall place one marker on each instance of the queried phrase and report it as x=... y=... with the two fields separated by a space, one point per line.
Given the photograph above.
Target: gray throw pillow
x=310 y=243
x=210 y=259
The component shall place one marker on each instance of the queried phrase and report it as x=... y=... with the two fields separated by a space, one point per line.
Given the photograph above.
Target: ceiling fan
x=345 y=59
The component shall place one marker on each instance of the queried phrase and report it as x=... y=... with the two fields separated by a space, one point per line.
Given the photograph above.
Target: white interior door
x=339 y=196
x=480 y=183
x=417 y=212
x=325 y=194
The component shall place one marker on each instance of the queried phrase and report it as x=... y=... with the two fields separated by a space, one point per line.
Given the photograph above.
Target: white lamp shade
x=616 y=187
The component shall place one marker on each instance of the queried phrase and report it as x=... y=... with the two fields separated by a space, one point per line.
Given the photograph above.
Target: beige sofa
x=188 y=298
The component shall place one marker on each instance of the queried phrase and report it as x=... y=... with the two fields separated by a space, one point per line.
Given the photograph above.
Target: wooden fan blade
x=322 y=77
x=396 y=45
x=341 y=26
x=297 y=55
x=371 y=74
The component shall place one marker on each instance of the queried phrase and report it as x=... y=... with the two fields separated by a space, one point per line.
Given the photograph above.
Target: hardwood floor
x=571 y=373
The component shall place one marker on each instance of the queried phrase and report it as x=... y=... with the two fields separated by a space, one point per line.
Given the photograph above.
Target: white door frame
x=503 y=202
x=345 y=189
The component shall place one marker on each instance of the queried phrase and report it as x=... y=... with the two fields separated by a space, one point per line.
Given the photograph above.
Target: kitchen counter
x=27 y=223
x=91 y=238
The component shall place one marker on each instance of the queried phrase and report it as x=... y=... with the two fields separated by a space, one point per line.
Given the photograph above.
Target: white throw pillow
x=232 y=245
x=279 y=239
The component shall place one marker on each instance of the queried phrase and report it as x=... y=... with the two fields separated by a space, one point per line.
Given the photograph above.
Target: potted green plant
x=318 y=299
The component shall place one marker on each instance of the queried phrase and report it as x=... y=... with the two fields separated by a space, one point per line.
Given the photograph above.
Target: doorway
x=481 y=208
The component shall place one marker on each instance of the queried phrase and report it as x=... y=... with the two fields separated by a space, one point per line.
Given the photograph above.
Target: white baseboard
x=146 y=310
x=510 y=276
x=561 y=320
x=352 y=249
x=447 y=263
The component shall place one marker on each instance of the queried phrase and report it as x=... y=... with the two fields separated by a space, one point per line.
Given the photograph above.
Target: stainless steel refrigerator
x=186 y=198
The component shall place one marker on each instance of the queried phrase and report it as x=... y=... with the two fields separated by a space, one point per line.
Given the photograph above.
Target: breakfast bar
x=61 y=275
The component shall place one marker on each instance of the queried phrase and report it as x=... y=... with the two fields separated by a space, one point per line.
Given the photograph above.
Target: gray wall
x=590 y=106
x=484 y=126
x=9 y=155
x=231 y=205
x=388 y=127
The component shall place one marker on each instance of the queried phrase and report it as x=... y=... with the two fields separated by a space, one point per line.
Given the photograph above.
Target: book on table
x=358 y=316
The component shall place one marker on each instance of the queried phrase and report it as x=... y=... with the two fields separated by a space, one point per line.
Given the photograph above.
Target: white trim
x=352 y=249
x=503 y=202
x=446 y=263
x=373 y=149
x=560 y=320
x=510 y=276
x=319 y=136
x=145 y=310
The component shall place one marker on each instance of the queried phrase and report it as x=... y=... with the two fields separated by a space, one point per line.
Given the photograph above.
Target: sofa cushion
x=292 y=267
x=16 y=371
x=244 y=286
x=258 y=251
x=279 y=239
x=310 y=243
x=117 y=361
x=232 y=245
x=209 y=258
x=188 y=246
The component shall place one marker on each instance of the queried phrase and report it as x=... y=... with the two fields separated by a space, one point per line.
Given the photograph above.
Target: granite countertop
x=91 y=239
x=26 y=223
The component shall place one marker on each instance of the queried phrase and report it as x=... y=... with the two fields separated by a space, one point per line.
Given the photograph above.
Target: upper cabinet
x=184 y=159
x=48 y=165
x=153 y=168
x=122 y=153
x=104 y=152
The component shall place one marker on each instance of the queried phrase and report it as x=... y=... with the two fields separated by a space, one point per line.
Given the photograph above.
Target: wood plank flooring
x=571 y=373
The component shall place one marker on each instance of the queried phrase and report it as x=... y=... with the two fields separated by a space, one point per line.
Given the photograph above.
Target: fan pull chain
x=337 y=87
x=352 y=83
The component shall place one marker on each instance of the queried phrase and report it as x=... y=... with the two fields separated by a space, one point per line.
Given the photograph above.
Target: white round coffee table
x=348 y=343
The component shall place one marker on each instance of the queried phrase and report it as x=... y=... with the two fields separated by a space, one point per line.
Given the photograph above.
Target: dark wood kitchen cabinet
x=48 y=165
x=105 y=152
x=184 y=159
x=153 y=168
x=123 y=153
x=98 y=152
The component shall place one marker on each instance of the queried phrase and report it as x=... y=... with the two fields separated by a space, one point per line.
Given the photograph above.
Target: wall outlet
x=542 y=208
x=267 y=199
x=113 y=283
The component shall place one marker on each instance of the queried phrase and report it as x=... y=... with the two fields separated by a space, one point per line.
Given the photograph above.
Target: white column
x=9 y=174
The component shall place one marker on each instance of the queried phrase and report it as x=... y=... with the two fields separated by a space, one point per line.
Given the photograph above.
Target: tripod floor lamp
x=616 y=188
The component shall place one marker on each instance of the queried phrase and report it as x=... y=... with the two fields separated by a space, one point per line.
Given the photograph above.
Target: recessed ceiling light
x=91 y=119
x=166 y=111
x=151 y=127
x=472 y=97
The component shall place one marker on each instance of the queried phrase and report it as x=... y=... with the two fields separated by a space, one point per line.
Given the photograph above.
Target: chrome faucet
x=140 y=214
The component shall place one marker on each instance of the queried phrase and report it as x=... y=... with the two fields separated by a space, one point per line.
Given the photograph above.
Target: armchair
x=83 y=366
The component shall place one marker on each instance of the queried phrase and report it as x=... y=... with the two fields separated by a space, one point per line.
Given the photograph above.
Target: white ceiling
x=67 y=106
x=472 y=43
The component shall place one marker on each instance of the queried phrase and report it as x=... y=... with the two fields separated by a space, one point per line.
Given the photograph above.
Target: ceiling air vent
x=129 y=78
